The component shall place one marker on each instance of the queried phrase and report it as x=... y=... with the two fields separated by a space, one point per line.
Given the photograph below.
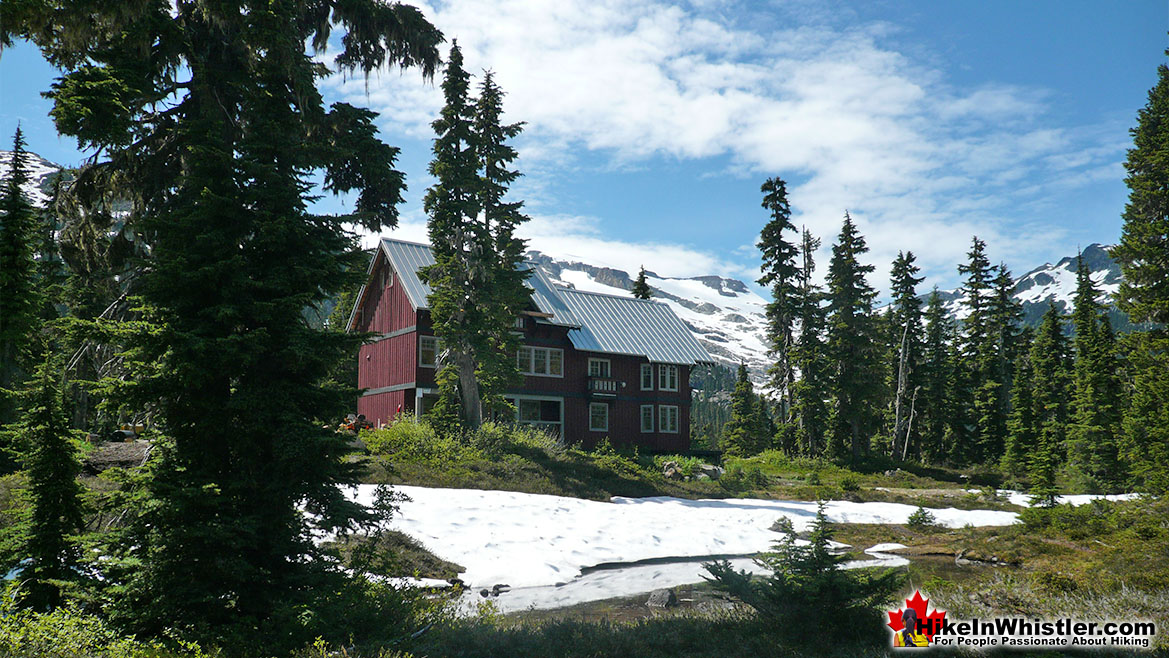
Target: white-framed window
x=387 y=277
x=547 y=413
x=647 y=377
x=428 y=347
x=519 y=323
x=668 y=377
x=600 y=368
x=540 y=361
x=668 y=419
x=598 y=417
x=647 y=418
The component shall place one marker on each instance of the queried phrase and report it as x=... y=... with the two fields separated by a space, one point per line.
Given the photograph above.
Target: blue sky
x=651 y=125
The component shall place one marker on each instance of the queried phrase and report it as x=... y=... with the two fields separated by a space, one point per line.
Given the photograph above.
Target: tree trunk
x=902 y=382
x=469 y=391
x=909 y=426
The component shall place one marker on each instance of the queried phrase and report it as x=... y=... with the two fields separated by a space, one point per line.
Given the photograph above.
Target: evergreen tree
x=219 y=177
x=1093 y=434
x=810 y=392
x=852 y=343
x=54 y=495
x=935 y=401
x=1021 y=426
x=1144 y=293
x=906 y=324
x=1049 y=362
x=976 y=390
x=476 y=288
x=781 y=272
x=741 y=433
x=19 y=304
x=641 y=289
x=993 y=397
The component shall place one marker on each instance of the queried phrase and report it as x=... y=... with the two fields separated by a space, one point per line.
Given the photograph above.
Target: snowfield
x=540 y=545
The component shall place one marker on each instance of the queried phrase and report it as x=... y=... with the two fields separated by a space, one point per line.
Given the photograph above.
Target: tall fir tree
x=993 y=397
x=906 y=325
x=781 y=272
x=1051 y=371
x=935 y=402
x=219 y=177
x=810 y=391
x=1021 y=427
x=641 y=289
x=974 y=383
x=1144 y=292
x=852 y=344
x=55 y=514
x=19 y=303
x=476 y=288
x=1094 y=431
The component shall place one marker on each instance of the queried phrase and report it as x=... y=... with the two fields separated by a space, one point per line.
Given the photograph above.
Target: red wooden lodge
x=594 y=365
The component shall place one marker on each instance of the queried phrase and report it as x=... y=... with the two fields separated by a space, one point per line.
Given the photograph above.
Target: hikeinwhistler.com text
x=1005 y=632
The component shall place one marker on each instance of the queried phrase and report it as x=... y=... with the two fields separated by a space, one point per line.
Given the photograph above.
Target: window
x=647 y=418
x=599 y=368
x=387 y=278
x=428 y=347
x=668 y=378
x=542 y=413
x=519 y=323
x=540 y=361
x=647 y=377
x=667 y=419
x=598 y=417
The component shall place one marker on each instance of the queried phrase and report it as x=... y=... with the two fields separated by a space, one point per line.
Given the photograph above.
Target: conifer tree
x=810 y=391
x=19 y=305
x=935 y=402
x=1144 y=292
x=1049 y=362
x=1093 y=434
x=1021 y=426
x=741 y=433
x=992 y=398
x=219 y=176
x=975 y=389
x=641 y=289
x=54 y=495
x=781 y=272
x=852 y=343
x=906 y=324
x=476 y=288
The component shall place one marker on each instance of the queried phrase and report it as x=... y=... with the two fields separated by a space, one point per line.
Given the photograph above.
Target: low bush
x=688 y=466
x=922 y=519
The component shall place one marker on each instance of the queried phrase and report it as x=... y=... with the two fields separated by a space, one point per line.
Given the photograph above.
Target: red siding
x=380 y=408
x=385 y=309
x=388 y=362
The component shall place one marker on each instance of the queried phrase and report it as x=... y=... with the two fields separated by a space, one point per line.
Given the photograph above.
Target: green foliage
x=850 y=482
x=1145 y=444
x=746 y=432
x=806 y=581
x=1049 y=360
x=905 y=318
x=810 y=391
x=641 y=289
x=19 y=302
x=781 y=272
x=853 y=345
x=935 y=404
x=922 y=519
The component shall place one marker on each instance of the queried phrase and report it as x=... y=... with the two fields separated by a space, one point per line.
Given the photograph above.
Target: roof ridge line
x=605 y=294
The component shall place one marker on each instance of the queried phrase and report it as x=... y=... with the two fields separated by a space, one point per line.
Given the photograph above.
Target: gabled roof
x=597 y=323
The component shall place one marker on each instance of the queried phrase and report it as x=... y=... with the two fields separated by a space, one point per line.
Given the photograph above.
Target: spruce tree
x=810 y=391
x=993 y=397
x=219 y=176
x=1021 y=426
x=641 y=289
x=1049 y=362
x=853 y=344
x=781 y=272
x=54 y=495
x=1144 y=292
x=935 y=401
x=906 y=324
x=19 y=305
x=976 y=390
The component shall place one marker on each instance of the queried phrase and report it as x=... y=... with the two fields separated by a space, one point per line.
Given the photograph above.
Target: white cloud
x=841 y=110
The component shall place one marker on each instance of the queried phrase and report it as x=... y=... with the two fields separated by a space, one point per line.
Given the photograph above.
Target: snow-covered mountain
x=1054 y=284
x=40 y=172
x=725 y=315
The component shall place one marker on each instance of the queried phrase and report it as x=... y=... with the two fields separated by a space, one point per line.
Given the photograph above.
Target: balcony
x=603 y=387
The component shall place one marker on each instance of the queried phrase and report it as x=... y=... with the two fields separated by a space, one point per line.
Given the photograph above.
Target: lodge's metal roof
x=596 y=322
x=624 y=325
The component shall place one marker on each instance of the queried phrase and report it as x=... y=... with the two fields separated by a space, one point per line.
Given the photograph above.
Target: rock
x=499 y=589
x=702 y=476
x=713 y=472
x=672 y=470
x=662 y=598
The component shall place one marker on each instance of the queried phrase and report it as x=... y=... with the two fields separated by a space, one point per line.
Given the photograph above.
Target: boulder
x=712 y=472
x=662 y=598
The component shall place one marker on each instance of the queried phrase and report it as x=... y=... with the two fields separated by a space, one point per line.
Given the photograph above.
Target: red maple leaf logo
x=931 y=622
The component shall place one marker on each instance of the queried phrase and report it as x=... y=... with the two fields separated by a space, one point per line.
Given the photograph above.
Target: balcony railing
x=601 y=387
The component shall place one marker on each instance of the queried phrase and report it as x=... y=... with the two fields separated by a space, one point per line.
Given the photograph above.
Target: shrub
x=687 y=465
x=850 y=482
x=813 y=478
x=922 y=519
x=806 y=581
